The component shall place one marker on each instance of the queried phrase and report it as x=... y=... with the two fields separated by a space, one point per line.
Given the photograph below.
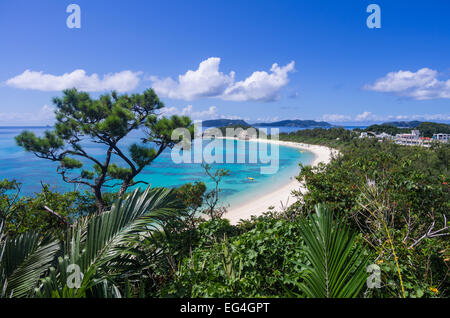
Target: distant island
x=225 y=122
x=284 y=123
x=404 y=124
x=296 y=123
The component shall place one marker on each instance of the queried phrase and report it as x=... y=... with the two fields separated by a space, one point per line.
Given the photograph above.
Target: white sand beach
x=281 y=196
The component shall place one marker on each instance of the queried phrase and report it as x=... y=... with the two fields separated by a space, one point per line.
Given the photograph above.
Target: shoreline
x=281 y=196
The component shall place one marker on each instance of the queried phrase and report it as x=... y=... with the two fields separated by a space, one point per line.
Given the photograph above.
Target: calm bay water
x=236 y=188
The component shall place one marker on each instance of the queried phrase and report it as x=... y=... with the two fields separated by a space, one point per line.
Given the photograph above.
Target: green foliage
x=211 y=198
x=214 y=231
x=272 y=257
x=70 y=163
x=413 y=176
x=9 y=193
x=192 y=194
x=257 y=263
x=106 y=248
x=386 y=128
x=24 y=213
x=160 y=131
x=120 y=173
x=142 y=155
x=413 y=194
x=338 y=267
x=25 y=258
x=427 y=129
x=48 y=145
x=321 y=136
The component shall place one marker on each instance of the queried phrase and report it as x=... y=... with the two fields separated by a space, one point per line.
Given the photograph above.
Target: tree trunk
x=99 y=200
x=124 y=187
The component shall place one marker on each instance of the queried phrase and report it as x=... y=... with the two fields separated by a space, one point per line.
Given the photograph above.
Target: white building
x=412 y=139
x=441 y=137
x=366 y=135
x=384 y=136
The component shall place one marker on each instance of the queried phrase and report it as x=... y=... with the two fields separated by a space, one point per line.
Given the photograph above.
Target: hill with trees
x=296 y=123
x=404 y=124
x=224 y=122
x=427 y=129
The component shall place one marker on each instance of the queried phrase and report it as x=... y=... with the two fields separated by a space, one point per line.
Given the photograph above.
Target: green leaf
x=337 y=265
x=102 y=245
x=25 y=259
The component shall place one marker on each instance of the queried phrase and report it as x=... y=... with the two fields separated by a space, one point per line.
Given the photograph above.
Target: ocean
x=237 y=188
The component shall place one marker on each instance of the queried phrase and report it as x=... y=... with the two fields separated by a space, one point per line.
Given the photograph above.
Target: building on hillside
x=412 y=139
x=426 y=141
x=441 y=137
x=383 y=136
x=366 y=135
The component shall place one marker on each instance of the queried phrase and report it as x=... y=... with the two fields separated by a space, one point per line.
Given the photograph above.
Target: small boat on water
x=251 y=179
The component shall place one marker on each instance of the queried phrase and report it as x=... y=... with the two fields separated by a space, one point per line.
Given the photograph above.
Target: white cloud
x=208 y=81
x=210 y=113
x=420 y=85
x=335 y=118
x=423 y=117
x=122 y=81
x=44 y=116
x=366 y=116
x=370 y=117
x=260 y=86
x=428 y=117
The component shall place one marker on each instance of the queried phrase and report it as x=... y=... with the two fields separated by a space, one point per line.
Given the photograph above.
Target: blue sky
x=215 y=59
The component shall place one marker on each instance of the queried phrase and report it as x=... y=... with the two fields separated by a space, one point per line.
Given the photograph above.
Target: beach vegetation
x=398 y=199
x=334 y=137
x=100 y=255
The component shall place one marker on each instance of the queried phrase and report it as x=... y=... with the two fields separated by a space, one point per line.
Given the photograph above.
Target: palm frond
x=337 y=265
x=25 y=260
x=109 y=239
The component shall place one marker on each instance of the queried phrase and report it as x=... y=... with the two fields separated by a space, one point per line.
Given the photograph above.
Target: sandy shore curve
x=282 y=196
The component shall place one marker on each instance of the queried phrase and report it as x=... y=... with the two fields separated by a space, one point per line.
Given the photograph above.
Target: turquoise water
x=236 y=188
